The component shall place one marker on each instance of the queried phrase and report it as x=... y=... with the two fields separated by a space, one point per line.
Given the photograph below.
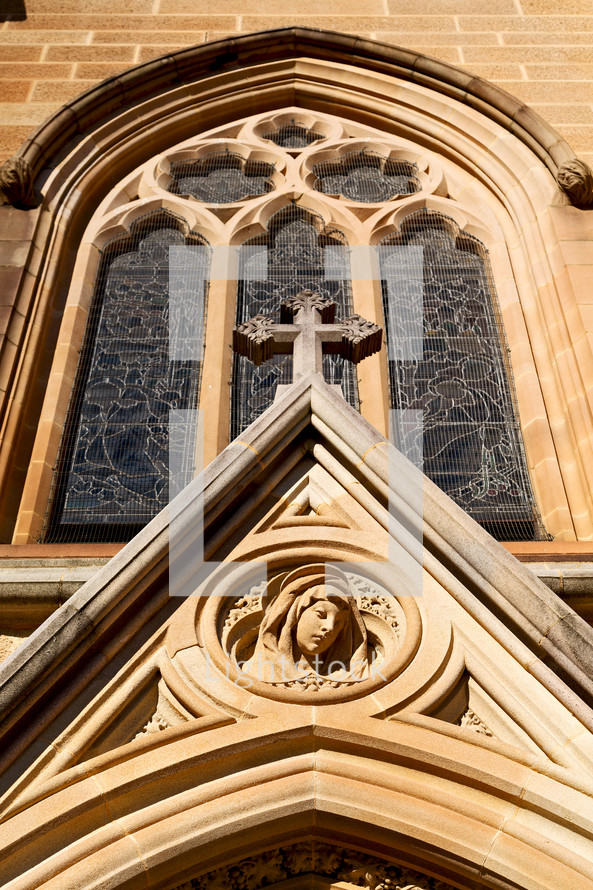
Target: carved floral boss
x=307 y=329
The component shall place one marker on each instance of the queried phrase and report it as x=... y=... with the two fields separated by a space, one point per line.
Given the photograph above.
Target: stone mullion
x=373 y=374
x=215 y=397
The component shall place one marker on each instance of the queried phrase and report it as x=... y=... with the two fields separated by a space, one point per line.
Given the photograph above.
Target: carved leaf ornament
x=335 y=864
x=308 y=299
x=361 y=338
x=255 y=339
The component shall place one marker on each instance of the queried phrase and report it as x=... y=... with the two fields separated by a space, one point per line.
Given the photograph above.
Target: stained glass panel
x=293 y=135
x=456 y=389
x=366 y=176
x=113 y=468
x=221 y=178
x=288 y=259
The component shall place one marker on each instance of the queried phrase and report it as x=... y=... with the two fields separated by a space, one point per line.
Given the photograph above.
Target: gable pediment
x=472 y=662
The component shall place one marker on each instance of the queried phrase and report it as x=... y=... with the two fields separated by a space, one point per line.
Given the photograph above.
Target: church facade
x=296 y=475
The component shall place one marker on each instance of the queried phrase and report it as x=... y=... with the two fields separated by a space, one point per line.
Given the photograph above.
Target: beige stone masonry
x=162 y=766
x=472 y=36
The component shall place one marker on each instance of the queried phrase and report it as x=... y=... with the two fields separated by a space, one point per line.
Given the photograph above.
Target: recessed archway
x=413 y=797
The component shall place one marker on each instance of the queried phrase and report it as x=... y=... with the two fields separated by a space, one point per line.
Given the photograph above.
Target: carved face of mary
x=321 y=622
x=312 y=625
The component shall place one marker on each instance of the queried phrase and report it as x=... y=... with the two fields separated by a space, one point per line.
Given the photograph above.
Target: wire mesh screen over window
x=366 y=176
x=221 y=178
x=449 y=374
x=113 y=470
x=293 y=135
x=291 y=257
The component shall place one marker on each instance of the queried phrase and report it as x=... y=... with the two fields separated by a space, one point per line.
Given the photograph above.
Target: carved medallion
x=313 y=632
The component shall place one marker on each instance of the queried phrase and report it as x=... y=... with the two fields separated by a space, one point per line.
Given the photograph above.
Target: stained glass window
x=366 y=176
x=113 y=468
x=291 y=256
x=293 y=135
x=221 y=178
x=450 y=378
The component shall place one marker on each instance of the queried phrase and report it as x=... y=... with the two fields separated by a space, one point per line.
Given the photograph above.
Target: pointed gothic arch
x=94 y=142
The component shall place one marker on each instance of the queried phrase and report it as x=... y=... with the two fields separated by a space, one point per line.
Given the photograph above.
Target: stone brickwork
x=538 y=50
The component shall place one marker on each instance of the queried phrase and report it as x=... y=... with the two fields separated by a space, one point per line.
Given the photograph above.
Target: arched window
x=291 y=256
x=304 y=197
x=113 y=467
x=449 y=374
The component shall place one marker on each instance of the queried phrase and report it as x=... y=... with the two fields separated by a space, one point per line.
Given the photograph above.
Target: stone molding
x=243 y=51
x=528 y=608
x=422 y=798
x=371 y=769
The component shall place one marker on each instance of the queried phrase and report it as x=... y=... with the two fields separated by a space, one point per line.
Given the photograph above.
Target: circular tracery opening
x=293 y=134
x=366 y=177
x=221 y=178
x=256 y=637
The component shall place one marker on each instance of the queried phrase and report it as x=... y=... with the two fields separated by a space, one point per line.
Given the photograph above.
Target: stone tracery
x=299 y=249
x=221 y=178
x=366 y=177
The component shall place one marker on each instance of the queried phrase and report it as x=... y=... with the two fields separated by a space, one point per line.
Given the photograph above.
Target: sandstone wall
x=525 y=46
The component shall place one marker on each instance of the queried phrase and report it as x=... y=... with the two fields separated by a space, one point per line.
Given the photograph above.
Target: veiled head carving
x=311 y=628
x=311 y=631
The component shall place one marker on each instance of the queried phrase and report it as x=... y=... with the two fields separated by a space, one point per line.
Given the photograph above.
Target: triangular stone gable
x=488 y=659
x=317 y=499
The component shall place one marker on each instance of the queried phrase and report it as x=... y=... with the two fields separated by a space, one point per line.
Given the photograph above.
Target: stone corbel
x=17 y=184
x=575 y=179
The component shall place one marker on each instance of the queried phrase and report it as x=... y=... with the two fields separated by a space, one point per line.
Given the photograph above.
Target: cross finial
x=307 y=330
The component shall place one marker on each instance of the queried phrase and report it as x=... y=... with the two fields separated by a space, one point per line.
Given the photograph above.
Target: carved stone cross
x=307 y=330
